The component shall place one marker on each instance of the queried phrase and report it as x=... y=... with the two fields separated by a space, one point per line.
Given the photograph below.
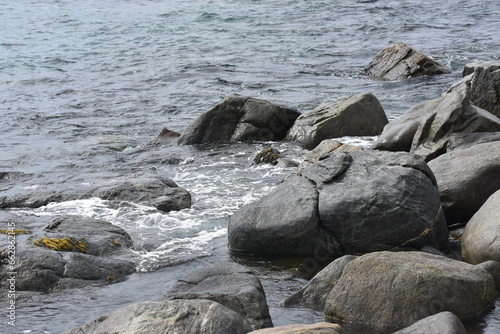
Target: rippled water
x=84 y=86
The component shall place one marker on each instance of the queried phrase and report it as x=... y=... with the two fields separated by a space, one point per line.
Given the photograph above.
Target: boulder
x=481 y=237
x=357 y=115
x=314 y=294
x=400 y=61
x=493 y=267
x=441 y=323
x=466 y=140
x=161 y=193
x=228 y=284
x=404 y=287
x=72 y=251
x=239 y=118
x=347 y=203
x=168 y=316
x=466 y=178
x=425 y=129
x=318 y=328
x=483 y=80
x=166 y=137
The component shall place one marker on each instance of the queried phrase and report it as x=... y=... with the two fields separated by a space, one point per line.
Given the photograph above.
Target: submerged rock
x=481 y=237
x=239 y=118
x=441 y=323
x=273 y=156
x=168 y=316
x=73 y=252
x=400 y=61
x=466 y=178
x=426 y=128
x=347 y=203
x=404 y=287
x=161 y=193
x=229 y=284
x=357 y=115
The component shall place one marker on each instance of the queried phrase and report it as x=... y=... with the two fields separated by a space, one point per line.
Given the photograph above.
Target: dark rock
x=273 y=156
x=400 y=61
x=240 y=118
x=441 y=323
x=481 y=237
x=314 y=294
x=166 y=137
x=168 y=316
x=347 y=203
x=483 y=80
x=358 y=115
x=466 y=179
x=318 y=328
x=466 y=140
x=163 y=194
x=425 y=129
x=228 y=284
x=404 y=287
x=73 y=249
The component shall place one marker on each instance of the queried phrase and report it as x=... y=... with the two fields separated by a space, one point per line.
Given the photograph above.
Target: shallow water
x=85 y=86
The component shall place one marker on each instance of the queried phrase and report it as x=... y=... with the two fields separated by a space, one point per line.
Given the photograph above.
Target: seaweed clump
x=62 y=244
x=267 y=156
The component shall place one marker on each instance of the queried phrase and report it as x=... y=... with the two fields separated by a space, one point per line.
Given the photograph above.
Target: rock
x=318 y=328
x=347 y=203
x=483 y=80
x=168 y=316
x=72 y=251
x=228 y=284
x=166 y=137
x=239 y=118
x=273 y=156
x=358 y=115
x=404 y=287
x=161 y=193
x=441 y=323
x=466 y=179
x=426 y=128
x=493 y=267
x=314 y=294
x=479 y=240
x=324 y=148
x=400 y=61
x=466 y=140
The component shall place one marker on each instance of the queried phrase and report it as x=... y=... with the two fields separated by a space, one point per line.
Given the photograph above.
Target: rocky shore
x=380 y=217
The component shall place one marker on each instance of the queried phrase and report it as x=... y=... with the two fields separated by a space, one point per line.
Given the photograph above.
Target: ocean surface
x=86 y=85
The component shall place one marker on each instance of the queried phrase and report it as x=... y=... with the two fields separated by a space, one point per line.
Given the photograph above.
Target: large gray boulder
x=466 y=140
x=72 y=252
x=481 y=237
x=357 y=115
x=161 y=193
x=441 y=323
x=168 y=316
x=466 y=178
x=314 y=294
x=426 y=128
x=229 y=284
x=240 y=118
x=483 y=80
x=317 y=328
x=347 y=203
x=393 y=290
x=400 y=61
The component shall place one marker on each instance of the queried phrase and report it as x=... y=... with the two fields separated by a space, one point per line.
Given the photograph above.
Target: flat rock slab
x=229 y=284
x=239 y=118
x=404 y=287
x=168 y=316
x=318 y=328
x=400 y=61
